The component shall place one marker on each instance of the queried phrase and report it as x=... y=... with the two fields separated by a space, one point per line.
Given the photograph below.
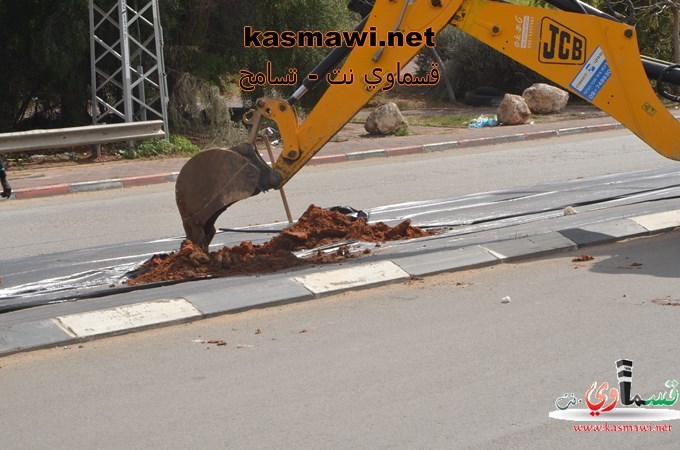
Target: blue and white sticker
x=593 y=76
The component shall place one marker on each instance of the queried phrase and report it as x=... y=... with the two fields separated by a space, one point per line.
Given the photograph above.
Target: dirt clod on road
x=315 y=228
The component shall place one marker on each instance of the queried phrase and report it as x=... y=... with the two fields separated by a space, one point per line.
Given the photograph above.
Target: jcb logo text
x=560 y=45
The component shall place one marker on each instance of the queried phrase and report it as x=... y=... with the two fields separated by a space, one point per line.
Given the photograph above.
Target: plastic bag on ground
x=483 y=121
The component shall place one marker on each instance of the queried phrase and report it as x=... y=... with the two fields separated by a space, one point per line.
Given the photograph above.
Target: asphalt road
x=438 y=363
x=72 y=222
x=434 y=363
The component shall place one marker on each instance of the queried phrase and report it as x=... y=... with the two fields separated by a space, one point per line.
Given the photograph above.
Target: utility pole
x=126 y=60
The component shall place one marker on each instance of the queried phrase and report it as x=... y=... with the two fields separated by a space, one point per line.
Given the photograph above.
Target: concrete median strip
x=529 y=247
x=659 y=221
x=360 y=276
x=140 y=315
x=31 y=335
x=604 y=232
x=104 y=314
x=447 y=261
x=22 y=332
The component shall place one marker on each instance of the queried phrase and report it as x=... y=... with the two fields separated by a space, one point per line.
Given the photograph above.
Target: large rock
x=513 y=110
x=545 y=99
x=386 y=120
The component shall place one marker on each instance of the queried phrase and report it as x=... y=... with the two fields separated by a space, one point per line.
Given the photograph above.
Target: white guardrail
x=24 y=141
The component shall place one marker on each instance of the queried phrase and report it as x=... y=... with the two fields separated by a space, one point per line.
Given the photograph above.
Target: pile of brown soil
x=316 y=227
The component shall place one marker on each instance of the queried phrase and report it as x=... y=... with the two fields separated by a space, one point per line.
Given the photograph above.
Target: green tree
x=44 y=56
x=361 y=7
x=657 y=23
x=470 y=64
x=205 y=52
x=658 y=27
x=44 y=63
x=205 y=38
x=296 y=15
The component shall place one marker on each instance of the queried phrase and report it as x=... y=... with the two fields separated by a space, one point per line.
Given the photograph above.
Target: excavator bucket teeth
x=208 y=184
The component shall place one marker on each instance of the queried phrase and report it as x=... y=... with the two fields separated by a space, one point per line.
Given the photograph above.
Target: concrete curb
x=117 y=183
x=19 y=334
x=89 y=186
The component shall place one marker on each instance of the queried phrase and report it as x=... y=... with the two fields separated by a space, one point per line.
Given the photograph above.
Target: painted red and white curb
x=144 y=180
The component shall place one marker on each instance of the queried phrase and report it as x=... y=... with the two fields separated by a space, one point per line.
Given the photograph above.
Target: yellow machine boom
x=581 y=49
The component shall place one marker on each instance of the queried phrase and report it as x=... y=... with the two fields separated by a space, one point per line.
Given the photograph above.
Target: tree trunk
x=449 y=88
x=676 y=33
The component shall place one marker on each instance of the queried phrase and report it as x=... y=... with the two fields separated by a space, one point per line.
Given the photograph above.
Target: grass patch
x=449 y=120
x=176 y=146
x=338 y=138
x=403 y=132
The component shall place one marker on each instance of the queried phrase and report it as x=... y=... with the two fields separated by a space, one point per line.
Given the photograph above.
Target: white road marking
x=126 y=317
x=341 y=279
x=659 y=221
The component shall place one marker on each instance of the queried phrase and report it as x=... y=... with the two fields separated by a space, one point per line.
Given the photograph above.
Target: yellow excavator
x=591 y=53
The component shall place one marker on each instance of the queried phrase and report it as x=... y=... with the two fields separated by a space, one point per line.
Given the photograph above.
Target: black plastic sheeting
x=475 y=218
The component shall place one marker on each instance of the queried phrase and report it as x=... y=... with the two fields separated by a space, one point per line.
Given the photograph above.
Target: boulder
x=513 y=110
x=545 y=99
x=386 y=120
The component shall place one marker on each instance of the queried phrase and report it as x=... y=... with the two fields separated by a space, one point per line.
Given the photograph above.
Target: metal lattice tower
x=126 y=58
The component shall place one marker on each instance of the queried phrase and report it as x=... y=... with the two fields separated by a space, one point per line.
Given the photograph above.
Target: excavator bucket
x=209 y=183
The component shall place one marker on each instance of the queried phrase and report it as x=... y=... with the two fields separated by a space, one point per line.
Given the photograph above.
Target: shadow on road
x=657 y=256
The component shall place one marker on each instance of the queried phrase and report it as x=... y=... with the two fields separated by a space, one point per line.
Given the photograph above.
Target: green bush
x=177 y=145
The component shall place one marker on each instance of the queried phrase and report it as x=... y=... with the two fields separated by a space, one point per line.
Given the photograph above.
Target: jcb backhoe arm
x=583 y=50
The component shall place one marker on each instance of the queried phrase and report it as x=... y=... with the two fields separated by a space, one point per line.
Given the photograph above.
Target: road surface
x=441 y=362
x=77 y=221
x=437 y=363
